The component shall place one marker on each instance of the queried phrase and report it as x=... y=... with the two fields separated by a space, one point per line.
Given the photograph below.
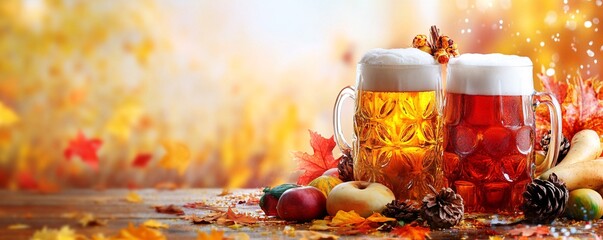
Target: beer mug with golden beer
x=397 y=121
x=489 y=129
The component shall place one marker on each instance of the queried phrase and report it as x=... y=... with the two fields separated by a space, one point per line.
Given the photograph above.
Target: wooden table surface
x=63 y=208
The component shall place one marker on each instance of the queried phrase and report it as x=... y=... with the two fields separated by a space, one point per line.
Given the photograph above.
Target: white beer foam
x=398 y=56
x=490 y=74
x=393 y=70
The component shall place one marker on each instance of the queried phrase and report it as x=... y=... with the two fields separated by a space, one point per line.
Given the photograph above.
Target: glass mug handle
x=346 y=92
x=555 y=111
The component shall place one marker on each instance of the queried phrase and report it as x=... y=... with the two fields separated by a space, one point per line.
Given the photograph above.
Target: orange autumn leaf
x=321 y=160
x=581 y=106
x=378 y=218
x=343 y=218
x=140 y=233
x=85 y=148
x=213 y=235
x=177 y=156
x=411 y=231
x=239 y=218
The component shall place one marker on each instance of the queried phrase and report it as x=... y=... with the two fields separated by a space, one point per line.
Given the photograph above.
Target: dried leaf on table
x=238 y=217
x=529 y=231
x=140 y=232
x=17 y=226
x=378 y=218
x=321 y=225
x=207 y=219
x=85 y=148
x=65 y=233
x=411 y=231
x=203 y=206
x=321 y=160
x=177 y=156
x=133 y=197
x=151 y=223
x=170 y=209
x=89 y=220
x=343 y=218
x=141 y=160
x=212 y=235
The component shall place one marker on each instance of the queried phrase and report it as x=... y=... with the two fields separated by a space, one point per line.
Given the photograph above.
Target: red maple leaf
x=84 y=148
x=411 y=231
x=141 y=160
x=581 y=107
x=316 y=164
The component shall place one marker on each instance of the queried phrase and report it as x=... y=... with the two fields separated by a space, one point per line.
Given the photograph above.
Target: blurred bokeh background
x=160 y=93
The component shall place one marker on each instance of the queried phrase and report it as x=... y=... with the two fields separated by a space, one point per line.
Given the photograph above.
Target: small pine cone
x=545 y=200
x=563 y=147
x=346 y=167
x=401 y=210
x=419 y=41
x=442 y=210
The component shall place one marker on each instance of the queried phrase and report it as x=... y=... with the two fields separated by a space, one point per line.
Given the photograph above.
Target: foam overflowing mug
x=489 y=130
x=397 y=121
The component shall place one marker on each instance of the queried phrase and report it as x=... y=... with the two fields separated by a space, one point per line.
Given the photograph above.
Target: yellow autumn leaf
x=124 y=118
x=378 y=218
x=7 y=116
x=212 y=235
x=65 y=233
x=177 y=156
x=139 y=233
x=17 y=226
x=320 y=225
x=133 y=197
x=151 y=223
x=89 y=220
x=346 y=218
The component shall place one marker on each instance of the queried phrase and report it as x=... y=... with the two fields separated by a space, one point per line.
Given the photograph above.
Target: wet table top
x=24 y=213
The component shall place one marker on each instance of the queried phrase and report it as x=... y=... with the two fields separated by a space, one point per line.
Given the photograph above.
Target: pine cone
x=563 y=147
x=442 y=210
x=545 y=200
x=346 y=167
x=401 y=210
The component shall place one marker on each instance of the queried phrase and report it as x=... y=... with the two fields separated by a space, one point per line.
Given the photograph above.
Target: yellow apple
x=364 y=198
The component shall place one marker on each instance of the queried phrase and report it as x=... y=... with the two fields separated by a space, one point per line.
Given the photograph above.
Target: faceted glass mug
x=397 y=137
x=489 y=130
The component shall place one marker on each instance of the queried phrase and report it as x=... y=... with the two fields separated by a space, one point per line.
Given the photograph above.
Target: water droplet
x=590 y=43
x=528 y=40
x=500 y=21
x=542 y=44
x=590 y=53
x=550 y=72
x=588 y=24
x=517 y=34
x=595 y=20
x=599 y=3
x=466 y=20
x=468 y=30
x=595 y=61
